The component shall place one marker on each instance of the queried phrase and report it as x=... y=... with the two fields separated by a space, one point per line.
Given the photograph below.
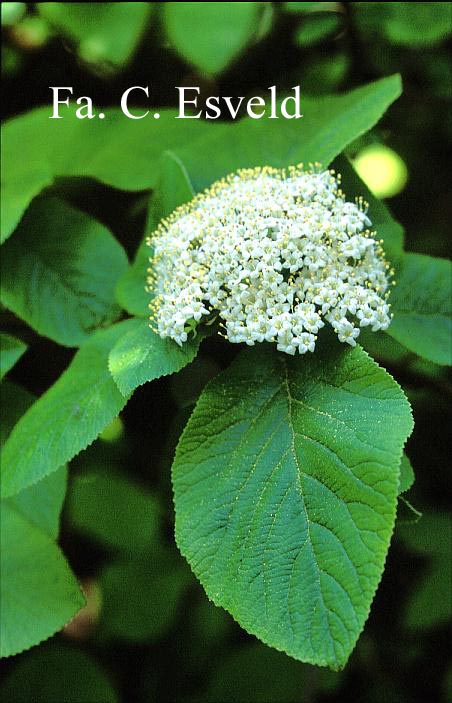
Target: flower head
x=274 y=255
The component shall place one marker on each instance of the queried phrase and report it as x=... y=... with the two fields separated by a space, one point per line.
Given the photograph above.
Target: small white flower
x=347 y=333
x=274 y=255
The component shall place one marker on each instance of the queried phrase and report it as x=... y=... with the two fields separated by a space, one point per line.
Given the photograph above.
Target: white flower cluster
x=273 y=255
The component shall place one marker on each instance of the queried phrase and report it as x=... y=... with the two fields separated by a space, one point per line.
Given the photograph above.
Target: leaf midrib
x=308 y=540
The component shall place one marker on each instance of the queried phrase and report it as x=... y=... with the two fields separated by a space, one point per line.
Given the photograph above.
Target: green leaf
x=427 y=369
x=142 y=587
x=148 y=606
x=124 y=153
x=67 y=418
x=55 y=673
x=141 y=355
x=210 y=36
x=113 y=511
x=382 y=347
x=324 y=74
x=174 y=188
x=386 y=227
x=12 y=12
x=406 y=479
x=317 y=28
x=132 y=293
x=39 y=594
x=60 y=270
x=15 y=401
x=409 y=24
x=103 y=32
x=328 y=125
x=285 y=483
x=120 y=152
x=39 y=504
x=11 y=349
x=422 y=306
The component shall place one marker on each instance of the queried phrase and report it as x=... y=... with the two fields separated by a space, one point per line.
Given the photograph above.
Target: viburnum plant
x=289 y=471
x=284 y=480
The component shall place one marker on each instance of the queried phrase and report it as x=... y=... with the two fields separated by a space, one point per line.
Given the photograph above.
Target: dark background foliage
x=200 y=654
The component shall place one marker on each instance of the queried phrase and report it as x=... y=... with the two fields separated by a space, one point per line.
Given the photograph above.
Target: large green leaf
x=328 y=125
x=60 y=270
x=11 y=349
x=173 y=189
x=285 y=484
x=38 y=591
x=422 y=307
x=141 y=355
x=67 y=418
x=210 y=35
x=120 y=152
x=39 y=504
x=124 y=153
x=105 y=31
x=39 y=594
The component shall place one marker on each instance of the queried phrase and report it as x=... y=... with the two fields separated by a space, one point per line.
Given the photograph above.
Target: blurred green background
x=149 y=632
